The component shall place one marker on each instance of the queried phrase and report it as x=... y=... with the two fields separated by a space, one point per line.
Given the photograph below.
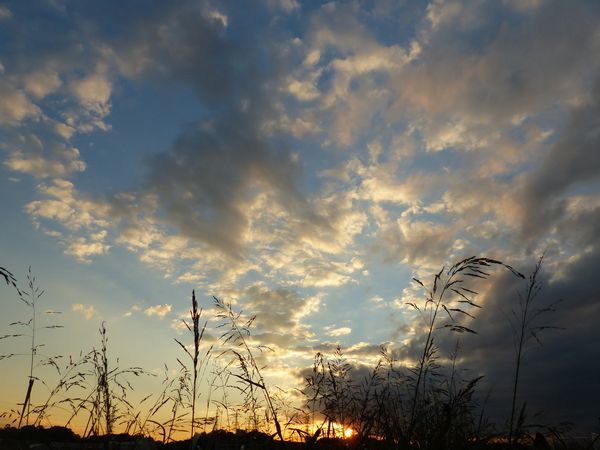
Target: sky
x=304 y=160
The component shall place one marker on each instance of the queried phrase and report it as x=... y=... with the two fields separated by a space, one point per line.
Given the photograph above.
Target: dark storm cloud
x=557 y=378
x=571 y=162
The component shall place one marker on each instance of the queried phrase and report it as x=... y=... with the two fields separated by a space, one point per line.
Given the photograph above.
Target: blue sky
x=302 y=160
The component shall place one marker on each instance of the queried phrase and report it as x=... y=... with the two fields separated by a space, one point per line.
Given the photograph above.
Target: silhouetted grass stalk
x=236 y=333
x=70 y=378
x=30 y=297
x=525 y=329
x=105 y=392
x=469 y=267
x=9 y=278
x=198 y=334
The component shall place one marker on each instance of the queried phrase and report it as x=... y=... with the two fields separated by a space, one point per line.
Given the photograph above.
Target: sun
x=348 y=433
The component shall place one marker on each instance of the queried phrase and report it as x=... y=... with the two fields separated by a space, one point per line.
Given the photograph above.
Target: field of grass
x=427 y=404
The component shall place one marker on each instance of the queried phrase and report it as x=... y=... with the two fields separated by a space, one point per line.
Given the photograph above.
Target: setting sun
x=334 y=223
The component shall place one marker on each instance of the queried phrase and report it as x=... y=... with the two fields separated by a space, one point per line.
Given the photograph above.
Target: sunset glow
x=319 y=168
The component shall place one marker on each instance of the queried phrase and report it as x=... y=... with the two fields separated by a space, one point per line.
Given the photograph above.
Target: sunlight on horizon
x=311 y=172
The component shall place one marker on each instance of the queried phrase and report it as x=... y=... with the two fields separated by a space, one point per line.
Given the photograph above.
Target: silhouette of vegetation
x=428 y=404
x=236 y=334
x=197 y=334
x=436 y=301
x=105 y=391
x=9 y=278
x=526 y=327
x=30 y=296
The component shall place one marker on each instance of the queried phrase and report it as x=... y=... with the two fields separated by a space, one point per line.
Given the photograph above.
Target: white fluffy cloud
x=15 y=106
x=87 y=311
x=159 y=311
x=64 y=161
x=341 y=331
x=42 y=82
x=377 y=135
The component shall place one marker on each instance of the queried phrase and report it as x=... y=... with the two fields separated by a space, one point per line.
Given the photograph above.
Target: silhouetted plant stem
x=236 y=333
x=26 y=401
x=469 y=267
x=426 y=351
x=30 y=298
x=31 y=363
x=33 y=296
x=195 y=318
x=194 y=328
x=9 y=278
x=103 y=384
x=518 y=358
x=526 y=329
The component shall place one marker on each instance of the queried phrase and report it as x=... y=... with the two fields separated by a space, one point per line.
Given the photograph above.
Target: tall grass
x=71 y=378
x=29 y=296
x=526 y=327
x=236 y=333
x=197 y=333
x=425 y=405
x=451 y=295
x=107 y=402
x=9 y=278
x=147 y=420
x=429 y=403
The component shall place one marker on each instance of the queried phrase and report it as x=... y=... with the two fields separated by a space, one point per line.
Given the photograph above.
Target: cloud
x=158 y=310
x=64 y=203
x=279 y=310
x=162 y=46
x=502 y=81
x=63 y=65
x=82 y=249
x=564 y=352
x=206 y=186
x=303 y=90
x=5 y=13
x=288 y=6
x=93 y=91
x=87 y=311
x=327 y=274
x=15 y=106
x=357 y=141
x=216 y=168
x=416 y=241
x=572 y=161
x=56 y=161
x=356 y=67
x=213 y=172
x=85 y=220
x=134 y=309
x=42 y=82
x=342 y=331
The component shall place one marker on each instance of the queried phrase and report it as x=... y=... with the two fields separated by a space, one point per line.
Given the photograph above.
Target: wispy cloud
x=159 y=311
x=87 y=311
x=341 y=331
x=357 y=145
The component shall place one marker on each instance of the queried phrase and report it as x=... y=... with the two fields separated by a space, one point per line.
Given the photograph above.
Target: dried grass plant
x=236 y=331
x=197 y=332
